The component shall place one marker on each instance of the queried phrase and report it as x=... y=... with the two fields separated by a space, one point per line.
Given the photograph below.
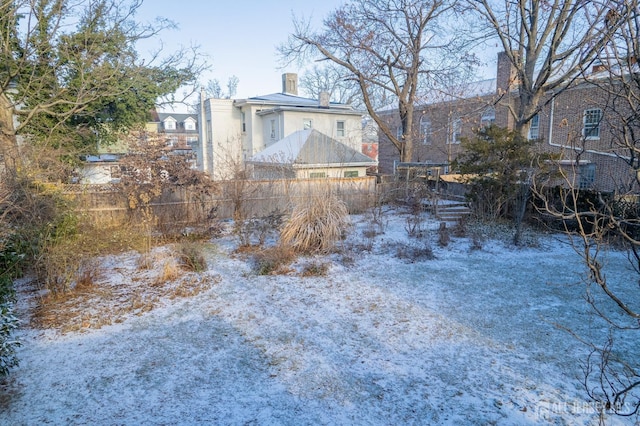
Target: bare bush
x=257 y=230
x=414 y=252
x=443 y=235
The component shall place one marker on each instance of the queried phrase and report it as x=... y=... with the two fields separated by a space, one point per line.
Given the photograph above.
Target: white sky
x=240 y=38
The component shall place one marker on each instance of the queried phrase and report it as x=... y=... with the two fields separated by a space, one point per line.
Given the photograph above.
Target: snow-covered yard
x=468 y=337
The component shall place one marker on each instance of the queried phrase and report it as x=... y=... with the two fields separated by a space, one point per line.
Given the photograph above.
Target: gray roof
x=179 y=117
x=288 y=100
x=310 y=147
x=466 y=90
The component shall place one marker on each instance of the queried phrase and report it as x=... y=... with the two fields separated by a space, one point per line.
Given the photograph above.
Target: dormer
x=190 y=124
x=169 y=123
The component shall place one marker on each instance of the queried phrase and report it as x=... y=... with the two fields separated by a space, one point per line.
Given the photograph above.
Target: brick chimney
x=290 y=84
x=506 y=77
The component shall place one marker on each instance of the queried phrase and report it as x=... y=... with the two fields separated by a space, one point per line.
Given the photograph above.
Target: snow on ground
x=465 y=338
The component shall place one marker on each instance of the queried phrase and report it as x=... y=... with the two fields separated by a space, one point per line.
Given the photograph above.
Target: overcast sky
x=240 y=37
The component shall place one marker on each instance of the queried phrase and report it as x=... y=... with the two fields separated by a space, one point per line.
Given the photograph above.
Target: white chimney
x=324 y=100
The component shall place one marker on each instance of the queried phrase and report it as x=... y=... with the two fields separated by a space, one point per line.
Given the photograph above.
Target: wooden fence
x=107 y=206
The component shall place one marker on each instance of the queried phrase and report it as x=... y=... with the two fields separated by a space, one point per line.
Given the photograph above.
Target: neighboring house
x=308 y=154
x=180 y=130
x=177 y=133
x=572 y=124
x=234 y=130
x=370 y=140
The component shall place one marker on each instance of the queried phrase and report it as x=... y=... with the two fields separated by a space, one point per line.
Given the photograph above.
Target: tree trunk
x=406 y=119
x=9 y=157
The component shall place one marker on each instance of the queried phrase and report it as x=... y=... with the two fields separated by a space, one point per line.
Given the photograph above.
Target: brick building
x=575 y=123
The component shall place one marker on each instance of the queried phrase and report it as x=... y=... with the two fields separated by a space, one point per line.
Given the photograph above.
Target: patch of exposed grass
x=273 y=260
x=315 y=269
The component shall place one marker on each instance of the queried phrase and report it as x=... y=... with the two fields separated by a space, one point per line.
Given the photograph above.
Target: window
x=425 y=130
x=315 y=175
x=307 y=124
x=189 y=125
x=351 y=173
x=488 y=117
x=534 y=127
x=340 y=132
x=244 y=122
x=456 y=130
x=192 y=140
x=273 y=129
x=169 y=125
x=587 y=175
x=592 y=118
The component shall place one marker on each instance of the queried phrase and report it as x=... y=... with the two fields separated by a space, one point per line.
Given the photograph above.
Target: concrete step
x=451 y=211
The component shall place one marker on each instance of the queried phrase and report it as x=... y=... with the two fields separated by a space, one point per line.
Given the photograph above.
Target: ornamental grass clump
x=316 y=224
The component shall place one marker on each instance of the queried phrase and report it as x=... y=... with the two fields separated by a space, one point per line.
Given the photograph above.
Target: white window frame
x=273 y=128
x=456 y=130
x=425 y=130
x=591 y=123
x=586 y=175
x=534 y=127
x=189 y=125
x=169 y=125
x=341 y=130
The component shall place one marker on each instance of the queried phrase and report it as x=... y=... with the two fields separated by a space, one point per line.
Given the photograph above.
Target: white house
x=234 y=130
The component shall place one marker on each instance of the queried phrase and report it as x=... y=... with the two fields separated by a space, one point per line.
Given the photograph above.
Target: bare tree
x=232 y=86
x=342 y=88
x=398 y=47
x=547 y=42
x=598 y=221
x=71 y=73
x=214 y=90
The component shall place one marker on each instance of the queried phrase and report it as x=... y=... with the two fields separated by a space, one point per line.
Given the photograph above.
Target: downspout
x=559 y=145
x=203 y=135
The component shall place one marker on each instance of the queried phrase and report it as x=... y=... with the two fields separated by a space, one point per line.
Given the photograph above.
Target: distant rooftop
x=311 y=147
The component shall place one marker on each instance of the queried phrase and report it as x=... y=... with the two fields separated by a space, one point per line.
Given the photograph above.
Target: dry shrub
x=170 y=271
x=414 y=252
x=273 y=260
x=145 y=261
x=192 y=258
x=315 y=225
x=460 y=228
x=89 y=273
